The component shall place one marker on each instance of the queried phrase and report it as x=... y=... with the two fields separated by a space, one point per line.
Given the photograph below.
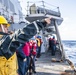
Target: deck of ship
x=45 y=65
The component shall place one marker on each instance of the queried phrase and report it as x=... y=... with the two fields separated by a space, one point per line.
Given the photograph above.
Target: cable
x=50 y=4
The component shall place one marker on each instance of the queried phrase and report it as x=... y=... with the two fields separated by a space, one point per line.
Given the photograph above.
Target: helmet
x=38 y=36
x=53 y=37
x=4 y=21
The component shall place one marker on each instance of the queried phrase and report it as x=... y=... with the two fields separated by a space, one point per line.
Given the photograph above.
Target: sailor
x=39 y=43
x=10 y=43
x=53 y=45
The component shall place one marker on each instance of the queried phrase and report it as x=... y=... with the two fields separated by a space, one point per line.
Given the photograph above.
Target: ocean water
x=70 y=50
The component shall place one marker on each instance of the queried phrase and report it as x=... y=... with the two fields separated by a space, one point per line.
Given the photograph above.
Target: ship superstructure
x=12 y=11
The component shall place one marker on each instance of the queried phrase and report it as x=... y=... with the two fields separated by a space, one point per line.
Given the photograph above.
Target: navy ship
x=54 y=65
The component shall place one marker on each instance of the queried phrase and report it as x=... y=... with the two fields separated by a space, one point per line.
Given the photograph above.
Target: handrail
x=43 y=7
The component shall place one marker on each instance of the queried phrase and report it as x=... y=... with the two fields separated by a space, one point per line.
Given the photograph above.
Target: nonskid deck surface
x=45 y=66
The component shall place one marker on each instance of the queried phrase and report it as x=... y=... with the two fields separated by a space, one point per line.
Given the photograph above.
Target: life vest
x=30 y=44
x=53 y=42
x=10 y=66
x=26 y=49
x=34 y=47
x=38 y=42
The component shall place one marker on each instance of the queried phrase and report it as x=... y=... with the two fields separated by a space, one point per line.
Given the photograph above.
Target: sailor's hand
x=24 y=60
x=48 y=20
x=32 y=56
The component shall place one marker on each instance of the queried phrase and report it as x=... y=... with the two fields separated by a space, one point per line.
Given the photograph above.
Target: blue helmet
x=38 y=36
x=53 y=37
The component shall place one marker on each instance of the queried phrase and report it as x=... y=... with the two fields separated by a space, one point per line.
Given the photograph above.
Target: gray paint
x=0 y=1
x=11 y=6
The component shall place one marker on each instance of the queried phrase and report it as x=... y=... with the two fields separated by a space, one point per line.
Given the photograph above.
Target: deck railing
x=42 y=7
